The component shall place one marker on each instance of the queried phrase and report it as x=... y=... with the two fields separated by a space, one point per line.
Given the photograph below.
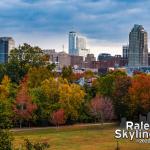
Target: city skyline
x=106 y=24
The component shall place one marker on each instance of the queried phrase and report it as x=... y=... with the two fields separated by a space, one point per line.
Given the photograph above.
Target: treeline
x=33 y=94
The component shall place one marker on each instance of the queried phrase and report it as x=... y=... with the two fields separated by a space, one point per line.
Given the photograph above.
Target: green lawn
x=79 y=138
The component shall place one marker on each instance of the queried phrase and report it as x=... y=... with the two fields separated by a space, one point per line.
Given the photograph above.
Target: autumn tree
x=23 y=107
x=58 y=117
x=46 y=97
x=67 y=72
x=51 y=90
x=140 y=94
x=121 y=97
x=4 y=87
x=88 y=74
x=77 y=76
x=5 y=115
x=5 y=102
x=71 y=96
x=37 y=75
x=101 y=108
x=2 y=71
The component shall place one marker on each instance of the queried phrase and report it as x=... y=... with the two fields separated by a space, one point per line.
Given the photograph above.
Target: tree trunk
x=20 y=123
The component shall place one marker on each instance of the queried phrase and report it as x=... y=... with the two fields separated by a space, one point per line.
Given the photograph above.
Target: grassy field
x=78 y=138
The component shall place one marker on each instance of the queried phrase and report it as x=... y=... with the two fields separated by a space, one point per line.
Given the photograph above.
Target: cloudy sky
x=46 y=23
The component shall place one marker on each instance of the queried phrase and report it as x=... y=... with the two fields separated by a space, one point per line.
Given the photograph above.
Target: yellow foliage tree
x=71 y=98
x=4 y=87
x=50 y=88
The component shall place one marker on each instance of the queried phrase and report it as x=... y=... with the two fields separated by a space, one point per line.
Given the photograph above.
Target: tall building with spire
x=138 y=47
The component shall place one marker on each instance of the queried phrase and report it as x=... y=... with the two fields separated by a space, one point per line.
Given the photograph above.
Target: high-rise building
x=138 y=47
x=81 y=46
x=77 y=45
x=6 y=45
x=125 y=51
x=81 y=43
x=73 y=50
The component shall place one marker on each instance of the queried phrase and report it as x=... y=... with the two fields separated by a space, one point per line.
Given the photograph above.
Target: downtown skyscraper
x=138 y=47
x=77 y=45
x=6 y=45
x=73 y=46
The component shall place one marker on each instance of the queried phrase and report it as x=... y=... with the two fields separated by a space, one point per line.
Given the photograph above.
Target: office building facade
x=73 y=50
x=81 y=43
x=6 y=45
x=138 y=47
x=125 y=51
x=77 y=45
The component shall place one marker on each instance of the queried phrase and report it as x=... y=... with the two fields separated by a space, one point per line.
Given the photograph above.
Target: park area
x=77 y=137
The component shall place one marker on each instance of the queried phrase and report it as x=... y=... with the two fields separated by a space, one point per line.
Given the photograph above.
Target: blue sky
x=46 y=23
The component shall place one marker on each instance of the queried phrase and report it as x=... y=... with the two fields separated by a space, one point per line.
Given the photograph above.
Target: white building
x=77 y=45
x=81 y=43
x=84 y=52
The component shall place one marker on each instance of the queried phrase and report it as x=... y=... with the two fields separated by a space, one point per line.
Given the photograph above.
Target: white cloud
x=46 y=22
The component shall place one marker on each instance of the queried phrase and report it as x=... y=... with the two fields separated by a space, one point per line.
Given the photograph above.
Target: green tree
x=5 y=140
x=5 y=114
x=106 y=84
x=36 y=146
x=2 y=71
x=51 y=67
x=21 y=59
x=43 y=106
x=46 y=97
x=67 y=72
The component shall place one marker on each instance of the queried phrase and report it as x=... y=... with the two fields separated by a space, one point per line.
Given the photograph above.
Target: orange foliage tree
x=140 y=94
x=24 y=106
x=58 y=117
